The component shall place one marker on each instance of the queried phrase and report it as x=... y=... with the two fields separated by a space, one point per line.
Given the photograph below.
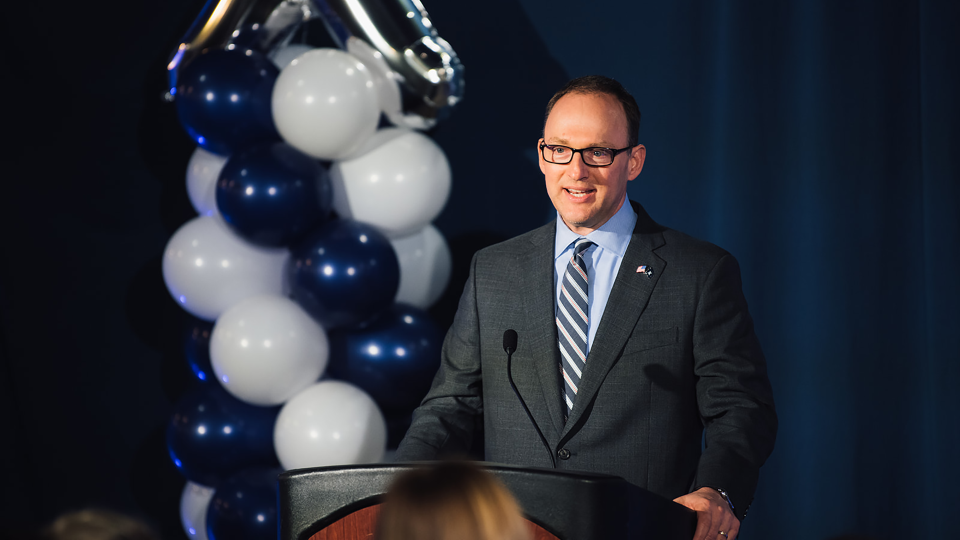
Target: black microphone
x=509 y=347
x=510 y=341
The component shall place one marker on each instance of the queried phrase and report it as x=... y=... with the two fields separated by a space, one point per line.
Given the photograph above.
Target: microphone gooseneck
x=509 y=347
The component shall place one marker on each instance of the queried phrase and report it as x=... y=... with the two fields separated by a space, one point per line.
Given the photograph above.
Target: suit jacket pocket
x=644 y=341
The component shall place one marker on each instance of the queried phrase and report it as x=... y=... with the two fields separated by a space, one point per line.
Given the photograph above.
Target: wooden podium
x=340 y=503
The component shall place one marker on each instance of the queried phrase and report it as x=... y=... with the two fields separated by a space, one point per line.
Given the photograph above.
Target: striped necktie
x=573 y=322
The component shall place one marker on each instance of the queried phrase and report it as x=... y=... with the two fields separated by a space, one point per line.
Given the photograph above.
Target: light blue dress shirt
x=603 y=260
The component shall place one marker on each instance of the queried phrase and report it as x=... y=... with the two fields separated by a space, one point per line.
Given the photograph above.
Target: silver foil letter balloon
x=419 y=61
x=401 y=30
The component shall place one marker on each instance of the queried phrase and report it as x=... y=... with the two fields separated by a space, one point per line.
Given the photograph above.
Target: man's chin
x=578 y=221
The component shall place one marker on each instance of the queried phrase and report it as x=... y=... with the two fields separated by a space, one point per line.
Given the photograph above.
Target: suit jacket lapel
x=628 y=298
x=537 y=289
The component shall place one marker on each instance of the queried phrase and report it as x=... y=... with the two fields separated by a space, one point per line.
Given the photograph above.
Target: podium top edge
x=388 y=468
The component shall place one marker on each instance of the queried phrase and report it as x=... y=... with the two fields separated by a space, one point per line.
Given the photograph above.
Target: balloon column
x=312 y=248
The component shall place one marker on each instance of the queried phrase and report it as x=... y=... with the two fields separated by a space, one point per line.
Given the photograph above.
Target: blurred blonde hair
x=98 y=525
x=450 y=501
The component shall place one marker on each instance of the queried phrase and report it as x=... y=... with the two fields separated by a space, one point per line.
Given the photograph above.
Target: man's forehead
x=584 y=97
x=597 y=116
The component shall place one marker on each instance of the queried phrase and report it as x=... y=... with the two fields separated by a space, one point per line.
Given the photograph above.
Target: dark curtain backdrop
x=815 y=140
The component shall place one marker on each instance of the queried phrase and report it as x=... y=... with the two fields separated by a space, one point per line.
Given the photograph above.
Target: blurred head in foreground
x=98 y=525
x=450 y=501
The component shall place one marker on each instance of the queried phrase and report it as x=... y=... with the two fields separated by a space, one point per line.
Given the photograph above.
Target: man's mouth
x=578 y=193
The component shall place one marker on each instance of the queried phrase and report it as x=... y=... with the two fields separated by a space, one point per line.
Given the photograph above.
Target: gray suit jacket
x=675 y=355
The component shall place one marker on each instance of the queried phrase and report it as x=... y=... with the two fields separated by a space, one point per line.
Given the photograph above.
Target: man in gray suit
x=633 y=343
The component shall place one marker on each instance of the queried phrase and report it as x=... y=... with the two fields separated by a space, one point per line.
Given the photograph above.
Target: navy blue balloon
x=393 y=359
x=250 y=36
x=244 y=507
x=212 y=435
x=344 y=273
x=223 y=99
x=196 y=347
x=271 y=193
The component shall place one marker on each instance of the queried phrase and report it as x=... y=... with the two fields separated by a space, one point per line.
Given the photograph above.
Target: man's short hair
x=598 y=84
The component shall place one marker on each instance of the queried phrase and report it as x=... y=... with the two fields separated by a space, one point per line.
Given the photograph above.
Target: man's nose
x=577 y=168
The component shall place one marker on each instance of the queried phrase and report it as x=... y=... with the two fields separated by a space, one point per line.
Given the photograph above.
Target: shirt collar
x=614 y=235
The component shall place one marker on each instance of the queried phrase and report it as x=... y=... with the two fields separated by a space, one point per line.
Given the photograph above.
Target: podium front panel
x=565 y=505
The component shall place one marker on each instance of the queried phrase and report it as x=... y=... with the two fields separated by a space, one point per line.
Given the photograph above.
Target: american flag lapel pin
x=645 y=270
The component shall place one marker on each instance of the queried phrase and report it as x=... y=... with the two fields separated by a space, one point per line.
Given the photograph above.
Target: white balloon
x=398 y=186
x=202 y=172
x=193 y=510
x=207 y=268
x=425 y=265
x=329 y=423
x=325 y=104
x=266 y=349
x=284 y=55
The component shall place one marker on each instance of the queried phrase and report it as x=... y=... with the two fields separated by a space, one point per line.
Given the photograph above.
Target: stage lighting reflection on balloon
x=244 y=507
x=223 y=99
x=393 y=359
x=196 y=348
x=343 y=274
x=271 y=194
x=213 y=435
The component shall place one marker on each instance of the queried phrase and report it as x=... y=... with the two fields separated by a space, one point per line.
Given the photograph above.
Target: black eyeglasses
x=595 y=156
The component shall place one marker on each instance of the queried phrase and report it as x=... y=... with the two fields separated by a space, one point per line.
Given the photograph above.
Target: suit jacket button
x=563 y=453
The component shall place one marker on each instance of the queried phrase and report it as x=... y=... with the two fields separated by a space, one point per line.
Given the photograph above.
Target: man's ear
x=637 y=155
x=540 y=157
